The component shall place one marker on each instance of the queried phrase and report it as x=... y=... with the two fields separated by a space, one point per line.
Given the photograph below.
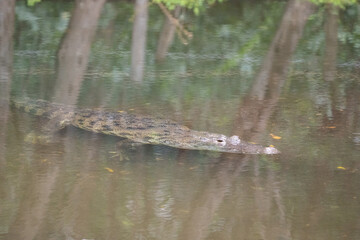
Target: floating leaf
x=109 y=169
x=331 y=127
x=121 y=111
x=342 y=168
x=274 y=136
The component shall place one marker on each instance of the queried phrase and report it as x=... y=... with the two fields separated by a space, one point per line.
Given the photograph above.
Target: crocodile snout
x=271 y=150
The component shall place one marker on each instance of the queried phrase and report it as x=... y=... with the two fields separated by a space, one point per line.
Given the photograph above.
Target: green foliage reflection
x=338 y=3
x=32 y=2
x=195 y=5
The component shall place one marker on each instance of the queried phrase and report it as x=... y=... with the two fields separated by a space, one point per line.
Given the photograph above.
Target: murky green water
x=274 y=73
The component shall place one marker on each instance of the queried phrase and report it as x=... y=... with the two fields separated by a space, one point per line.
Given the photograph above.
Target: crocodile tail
x=35 y=107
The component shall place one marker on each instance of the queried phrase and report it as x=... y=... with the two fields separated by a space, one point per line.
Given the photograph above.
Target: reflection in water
x=255 y=113
x=34 y=205
x=78 y=188
x=331 y=45
x=259 y=107
x=31 y=220
x=73 y=55
x=167 y=35
x=73 y=60
x=138 y=40
x=7 y=14
x=266 y=89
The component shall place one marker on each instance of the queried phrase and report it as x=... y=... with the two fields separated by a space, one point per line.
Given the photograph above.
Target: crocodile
x=137 y=128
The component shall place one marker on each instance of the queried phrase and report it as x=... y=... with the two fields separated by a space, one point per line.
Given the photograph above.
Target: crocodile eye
x=219 y=140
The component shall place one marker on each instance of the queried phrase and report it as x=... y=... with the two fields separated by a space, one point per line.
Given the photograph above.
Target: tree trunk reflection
x=73 y=55
x=254 y=116
x=7 y=15
x=73 y=58
x=138 y=42
x=331 y=44
x=167 y=35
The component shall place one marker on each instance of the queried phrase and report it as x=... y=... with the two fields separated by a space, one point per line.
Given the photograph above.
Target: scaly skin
x=143 y=129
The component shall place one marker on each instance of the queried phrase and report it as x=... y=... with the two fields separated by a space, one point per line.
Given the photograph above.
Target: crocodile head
x=233 y=144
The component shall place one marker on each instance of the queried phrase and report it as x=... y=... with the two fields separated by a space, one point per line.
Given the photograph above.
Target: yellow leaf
x=342 y=168
x=120 y=111
x=192 y=168
x=331 y=127
x=274 y=136
x=271 y=146
x=109 y=169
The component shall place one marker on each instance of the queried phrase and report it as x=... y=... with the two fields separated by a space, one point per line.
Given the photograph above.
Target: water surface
x=275 y=73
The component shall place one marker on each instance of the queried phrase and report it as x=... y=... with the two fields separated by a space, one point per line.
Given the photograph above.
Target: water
x=274 y=73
